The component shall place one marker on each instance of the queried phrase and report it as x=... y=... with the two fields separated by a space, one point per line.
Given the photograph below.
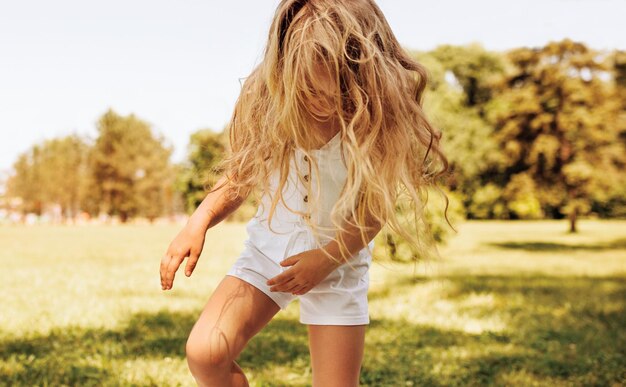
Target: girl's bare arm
x=310 y=267
x=352 y=238
x=216 y=206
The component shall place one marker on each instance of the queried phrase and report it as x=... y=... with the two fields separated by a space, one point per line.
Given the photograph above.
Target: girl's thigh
x=336 y=354
x=234 y=313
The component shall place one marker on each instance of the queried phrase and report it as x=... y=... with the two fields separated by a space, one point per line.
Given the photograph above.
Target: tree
x=52 y=172
x=206 y=149
x=460 y=83
x=24 y=184
x=130 y=166
x=555 y=120
x=64 y=168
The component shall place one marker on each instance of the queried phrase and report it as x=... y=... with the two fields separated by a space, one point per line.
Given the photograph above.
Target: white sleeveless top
x=290 y=234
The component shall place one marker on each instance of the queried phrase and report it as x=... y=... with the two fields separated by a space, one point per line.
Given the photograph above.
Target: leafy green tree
x=51 y=172
x=556 y=123
x=460 y=79
x=472 y=70
x=199 y=173
x=612 y=202
x=487 y=202
x=132 y=175
x=24 y=182
x=64 y=168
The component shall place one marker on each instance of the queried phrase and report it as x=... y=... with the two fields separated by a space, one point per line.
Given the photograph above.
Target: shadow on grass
x=564 y=329
x=616 y=244
x=55 y=358
x=560 y=328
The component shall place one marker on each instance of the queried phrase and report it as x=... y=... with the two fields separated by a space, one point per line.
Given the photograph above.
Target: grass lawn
x=512 y=303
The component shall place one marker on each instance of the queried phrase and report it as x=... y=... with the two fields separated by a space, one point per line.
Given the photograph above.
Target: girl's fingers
x=191 y=264
x=171 y=271
x=163 y=268
x=306 y=287
x=299 y=290
x=281 y=278
x=282 y=287
x=291 y=288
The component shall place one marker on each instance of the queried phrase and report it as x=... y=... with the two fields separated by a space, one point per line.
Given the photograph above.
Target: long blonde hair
x=393 y=151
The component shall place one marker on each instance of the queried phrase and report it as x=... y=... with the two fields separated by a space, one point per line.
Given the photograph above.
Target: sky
x=178 y=64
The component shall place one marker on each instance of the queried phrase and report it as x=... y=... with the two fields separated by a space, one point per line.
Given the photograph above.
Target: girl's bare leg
x=336 y=354
x=234 y=313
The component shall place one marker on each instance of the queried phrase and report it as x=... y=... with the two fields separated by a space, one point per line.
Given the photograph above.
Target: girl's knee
x=209 y=349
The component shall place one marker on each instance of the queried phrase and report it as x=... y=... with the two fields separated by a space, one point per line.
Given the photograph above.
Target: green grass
x=513 y=303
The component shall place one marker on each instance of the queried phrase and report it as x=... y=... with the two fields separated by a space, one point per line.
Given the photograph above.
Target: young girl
x=330 y=127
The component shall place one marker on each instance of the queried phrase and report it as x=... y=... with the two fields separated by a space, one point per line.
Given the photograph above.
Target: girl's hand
x=189 y=242
x=308 y=269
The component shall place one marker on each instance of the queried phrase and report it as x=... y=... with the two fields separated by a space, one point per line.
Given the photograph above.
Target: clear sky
x=177 y=64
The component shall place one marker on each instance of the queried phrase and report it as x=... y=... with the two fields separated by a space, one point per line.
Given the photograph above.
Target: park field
x=511 y=303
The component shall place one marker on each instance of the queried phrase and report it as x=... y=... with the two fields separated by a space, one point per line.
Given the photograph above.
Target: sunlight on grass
x=426 y=303
x=96 y=276
x=166 y=371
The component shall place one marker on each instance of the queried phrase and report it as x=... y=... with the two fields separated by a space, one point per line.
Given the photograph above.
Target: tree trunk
x=572 y=221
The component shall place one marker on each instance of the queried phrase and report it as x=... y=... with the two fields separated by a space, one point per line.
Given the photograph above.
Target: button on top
x=306 y=198
x=306 y=158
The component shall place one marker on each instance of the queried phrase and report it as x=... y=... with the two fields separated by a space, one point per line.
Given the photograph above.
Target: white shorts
x=340 y=299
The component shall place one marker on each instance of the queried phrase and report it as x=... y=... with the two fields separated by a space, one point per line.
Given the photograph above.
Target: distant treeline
x=530 y=133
